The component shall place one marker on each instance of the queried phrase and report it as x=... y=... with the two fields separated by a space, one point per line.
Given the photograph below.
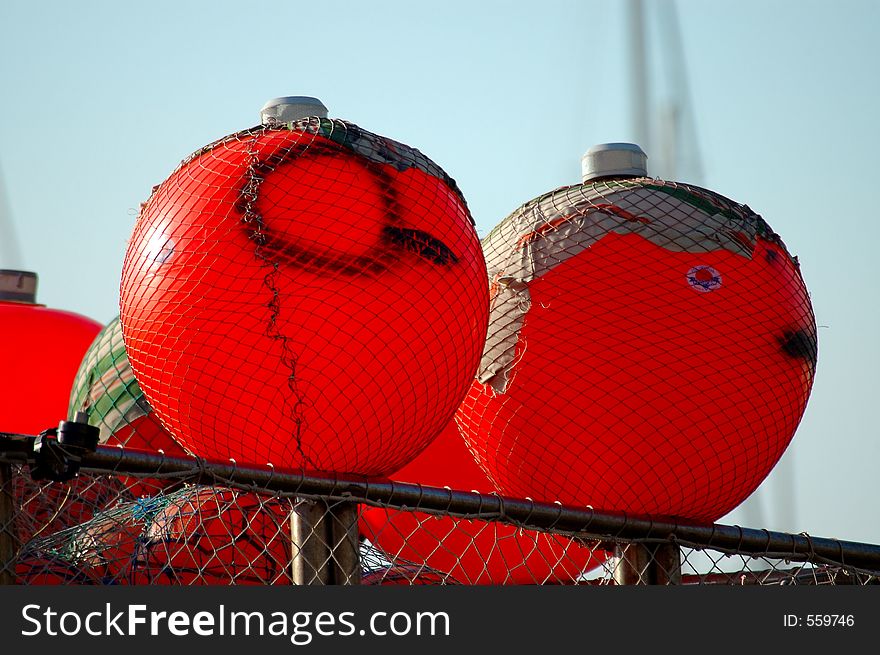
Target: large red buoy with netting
x=305 y=293
x=651 y=346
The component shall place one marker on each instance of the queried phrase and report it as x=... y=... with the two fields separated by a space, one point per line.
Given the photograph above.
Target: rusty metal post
x=8 y=541
x=647 y=564
x=631 y=565
x=326 y=548
x=345 y=555
x=667 y=563
x=311 y=547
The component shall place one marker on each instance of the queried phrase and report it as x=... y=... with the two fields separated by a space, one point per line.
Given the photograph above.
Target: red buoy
x=306 y=294
x=41 y=351
x=470 y=551
x=651 y=348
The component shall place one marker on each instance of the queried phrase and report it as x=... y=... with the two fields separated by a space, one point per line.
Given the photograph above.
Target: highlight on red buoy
x=306 y=294
x=464 y=551
x=651 y=347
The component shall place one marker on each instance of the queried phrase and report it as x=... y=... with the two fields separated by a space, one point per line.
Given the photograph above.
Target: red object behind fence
x=310 y=295
x=470 y=551
x=216 y=536
x=41 y=349
x=38 y=568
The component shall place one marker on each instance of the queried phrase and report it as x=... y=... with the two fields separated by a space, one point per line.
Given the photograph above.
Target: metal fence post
x=311 y=550
x=325 y=546
x=647 y=564
x=345 y=553
x=667 y=563
x=8 y=541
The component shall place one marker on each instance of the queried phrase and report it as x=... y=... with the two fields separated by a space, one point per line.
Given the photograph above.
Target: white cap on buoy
x=291 y=108
x=614 y=160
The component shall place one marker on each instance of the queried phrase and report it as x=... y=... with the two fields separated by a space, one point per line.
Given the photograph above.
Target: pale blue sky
x=101 y=100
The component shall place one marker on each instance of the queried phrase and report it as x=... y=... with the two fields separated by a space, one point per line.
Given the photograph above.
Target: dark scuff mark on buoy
x=396 y=238
x=420 y=243
x=801 y=344
x=285 y=253
x=255 y=227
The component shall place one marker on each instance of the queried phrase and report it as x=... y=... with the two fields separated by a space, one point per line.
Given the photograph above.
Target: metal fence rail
x=131 y=517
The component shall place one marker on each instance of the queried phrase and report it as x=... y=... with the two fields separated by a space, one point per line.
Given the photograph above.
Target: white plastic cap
x=291 y=108
x=614 y=160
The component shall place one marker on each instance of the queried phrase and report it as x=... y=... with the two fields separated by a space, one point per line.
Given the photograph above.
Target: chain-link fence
x=131 y=517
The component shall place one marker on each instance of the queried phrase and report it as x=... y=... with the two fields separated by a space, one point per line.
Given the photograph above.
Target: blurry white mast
x=639 y=76
x=10 y=254
x=666 y=129
x=675 y=155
